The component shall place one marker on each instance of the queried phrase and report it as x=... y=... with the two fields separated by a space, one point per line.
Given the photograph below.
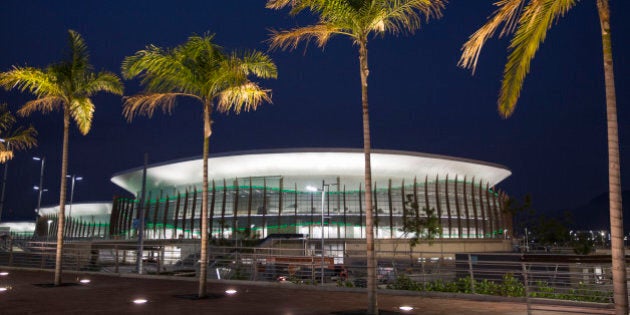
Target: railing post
x=313 y=270
x=159 y=259
x=116 y=258
x=44 y=253
x=472 y=275
x=526 y=288
x=10 y=250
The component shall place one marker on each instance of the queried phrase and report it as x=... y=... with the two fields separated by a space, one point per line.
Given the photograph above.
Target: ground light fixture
x=140 y=301
x=230 y=291
x=405 y=308
x=4 y=273
x=85 y=281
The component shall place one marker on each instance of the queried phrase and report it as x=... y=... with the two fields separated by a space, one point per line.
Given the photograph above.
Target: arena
x=258 y=193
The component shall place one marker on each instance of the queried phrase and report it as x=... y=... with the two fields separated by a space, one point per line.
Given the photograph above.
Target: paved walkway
x=110 y=294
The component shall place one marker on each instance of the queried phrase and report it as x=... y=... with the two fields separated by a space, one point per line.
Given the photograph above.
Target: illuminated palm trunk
x=620 y=290
x=203 y=268
x=369 y=223
x=62 y=195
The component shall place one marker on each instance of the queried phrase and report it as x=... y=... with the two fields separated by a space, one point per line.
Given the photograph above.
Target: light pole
x=74 y=178
x=4 y=179
x=323 y=190
x=48 y=230
x=41 y=182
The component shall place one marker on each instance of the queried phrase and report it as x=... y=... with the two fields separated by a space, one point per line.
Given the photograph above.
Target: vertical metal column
x=466 y=209
x=141 y=216
x=176 y=217
x=212 y=200
x=448 y=208
x=474 y=204
x=235 y=209
x=192 y=213
x=438 y=206
x=167 y=201
x=391 y=210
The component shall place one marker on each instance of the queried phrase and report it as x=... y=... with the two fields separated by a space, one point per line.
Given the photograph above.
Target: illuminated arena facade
x=259 y=193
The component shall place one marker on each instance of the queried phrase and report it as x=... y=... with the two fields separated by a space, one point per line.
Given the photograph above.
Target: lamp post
x=41 y=182
x=4 y=179
x=323 y=190
x=74 y=179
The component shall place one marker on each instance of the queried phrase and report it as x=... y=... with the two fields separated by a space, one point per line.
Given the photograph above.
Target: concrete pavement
x=111 y=294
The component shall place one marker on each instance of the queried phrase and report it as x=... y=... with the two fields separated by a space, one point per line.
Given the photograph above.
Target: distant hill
x=594 y=215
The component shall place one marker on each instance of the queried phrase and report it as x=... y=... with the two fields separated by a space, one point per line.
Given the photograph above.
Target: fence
x=535 y=278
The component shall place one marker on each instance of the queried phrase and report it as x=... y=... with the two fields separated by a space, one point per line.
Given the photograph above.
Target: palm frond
x=161 y=71
x=146 y=104
x=103 y=82
x=244 y=97
x=148 y=58
x=256 y=63
x=199 y=69
x=405 y=16
x=507 y=14
x=290 y=39
x=43 y=105
x=79 y=59
x=5 y=154
x=199 y=48
x=298 y=6
x=21 y=138
x=82 y=111
x=536 y=19
x=13 y=138
x=6 y=118
x=278 y=4
x=33 y=80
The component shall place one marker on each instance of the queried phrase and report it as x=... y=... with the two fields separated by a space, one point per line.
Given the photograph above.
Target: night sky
x=554 y=144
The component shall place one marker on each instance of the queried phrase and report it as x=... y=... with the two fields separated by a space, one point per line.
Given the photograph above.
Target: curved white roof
x=19 y=227
x=304 y=167
x=98 y=212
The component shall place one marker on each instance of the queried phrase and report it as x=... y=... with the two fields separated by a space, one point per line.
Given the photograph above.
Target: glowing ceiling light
x=140 y=301
x=405 y=308
x=4 y=273
x=2 y=289
x=311 y=188
x=85 y=281
x=230 y=292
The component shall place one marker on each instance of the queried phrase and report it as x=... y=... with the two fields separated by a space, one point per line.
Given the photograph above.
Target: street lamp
x=74 y=178
x=41 y=182
x=323 y=190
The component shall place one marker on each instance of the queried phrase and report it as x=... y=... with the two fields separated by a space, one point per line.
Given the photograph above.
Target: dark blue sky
x=555 y=143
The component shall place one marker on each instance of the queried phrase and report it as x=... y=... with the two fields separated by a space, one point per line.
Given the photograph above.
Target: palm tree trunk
x=620 y=290
x=203 y=268
x=62 y=195
x=369 y=223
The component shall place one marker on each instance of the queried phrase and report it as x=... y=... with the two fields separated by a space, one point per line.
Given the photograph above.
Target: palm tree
x=68 y=86
x=529 y=22
x=13 y=138
x=357 y=19
x=200 y=70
